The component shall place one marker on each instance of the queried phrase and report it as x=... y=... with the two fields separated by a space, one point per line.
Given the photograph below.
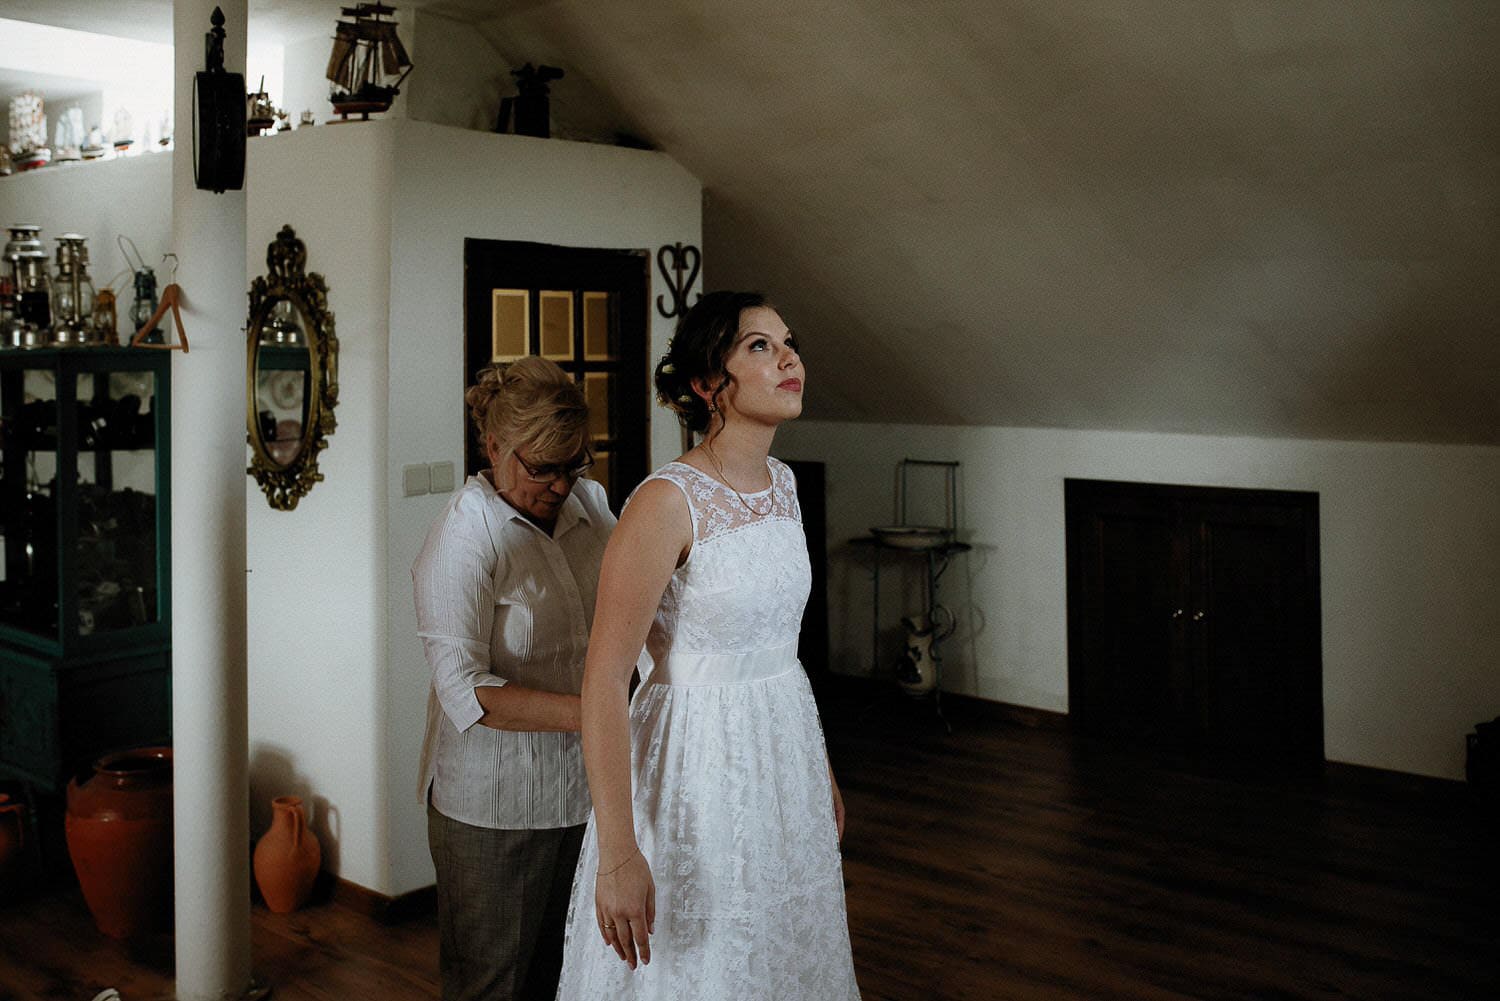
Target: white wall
x=1410 y=550
x=101 y=200
x=99 y=73
x=91 y=103
x=317 y=573
x=338 y=682
x=466 y=90
x=450 y=185
x=303 y=85
x=458 y=81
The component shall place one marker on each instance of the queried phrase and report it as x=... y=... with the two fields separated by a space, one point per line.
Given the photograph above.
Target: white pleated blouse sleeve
x=454 y=583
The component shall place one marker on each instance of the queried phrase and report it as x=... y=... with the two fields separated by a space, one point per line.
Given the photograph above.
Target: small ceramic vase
x=287 y=857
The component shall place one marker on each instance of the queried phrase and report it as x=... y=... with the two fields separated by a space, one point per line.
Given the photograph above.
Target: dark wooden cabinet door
x=1125 y=581
x=1253 y=630
x=1193 y=619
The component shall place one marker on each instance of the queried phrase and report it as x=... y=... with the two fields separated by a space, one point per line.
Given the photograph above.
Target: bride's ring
x=609 y=927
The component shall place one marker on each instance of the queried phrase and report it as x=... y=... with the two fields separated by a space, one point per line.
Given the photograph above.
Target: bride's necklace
x=725 y=480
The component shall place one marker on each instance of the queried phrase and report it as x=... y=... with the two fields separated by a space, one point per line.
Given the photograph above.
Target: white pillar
x=209 y=700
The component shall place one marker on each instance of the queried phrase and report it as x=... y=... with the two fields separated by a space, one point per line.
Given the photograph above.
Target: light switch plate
x=415 y=480
x=441 y=475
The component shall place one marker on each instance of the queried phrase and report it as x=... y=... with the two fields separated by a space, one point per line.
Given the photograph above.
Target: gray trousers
x=502 y=906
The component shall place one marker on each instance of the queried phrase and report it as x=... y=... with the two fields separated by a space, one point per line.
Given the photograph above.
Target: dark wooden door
x=1123 y=583
x=812 y=640
x=1193 y=619
x=585 y=309
x=1253 y=625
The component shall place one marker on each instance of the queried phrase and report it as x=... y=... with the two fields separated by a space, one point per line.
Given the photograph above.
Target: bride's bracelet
x=628 y=859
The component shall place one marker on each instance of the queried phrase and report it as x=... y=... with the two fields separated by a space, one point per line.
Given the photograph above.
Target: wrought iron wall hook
x=679 y=287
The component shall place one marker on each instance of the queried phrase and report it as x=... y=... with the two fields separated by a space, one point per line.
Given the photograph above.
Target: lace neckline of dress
x=710 y=477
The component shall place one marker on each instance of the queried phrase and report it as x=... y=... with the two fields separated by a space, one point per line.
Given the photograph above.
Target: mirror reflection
x=283 y=382
x=292 y=371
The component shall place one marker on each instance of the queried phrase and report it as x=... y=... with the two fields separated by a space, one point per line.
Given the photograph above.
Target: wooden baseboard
x=972 y=707
x=1385 y=780
x=994 y=711
x=964 y=706
x=386 y=910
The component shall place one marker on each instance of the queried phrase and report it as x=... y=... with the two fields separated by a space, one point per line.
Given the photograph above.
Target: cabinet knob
x=1199 y=615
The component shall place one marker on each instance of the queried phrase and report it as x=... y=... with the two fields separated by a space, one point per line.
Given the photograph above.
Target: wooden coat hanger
x=170 y=296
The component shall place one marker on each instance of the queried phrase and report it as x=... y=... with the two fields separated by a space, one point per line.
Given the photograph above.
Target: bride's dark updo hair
x=699 y=348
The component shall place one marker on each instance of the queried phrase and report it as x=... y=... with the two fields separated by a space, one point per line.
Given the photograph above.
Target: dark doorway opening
x=585 y=309
x=1194 y=621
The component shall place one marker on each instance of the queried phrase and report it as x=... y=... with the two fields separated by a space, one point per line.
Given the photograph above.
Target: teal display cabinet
x=85 y=583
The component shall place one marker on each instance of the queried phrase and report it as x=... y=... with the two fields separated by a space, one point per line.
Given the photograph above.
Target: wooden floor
x=1007 y=862
x=1013 y=863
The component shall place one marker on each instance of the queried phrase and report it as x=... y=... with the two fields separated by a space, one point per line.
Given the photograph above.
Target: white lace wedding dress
x=733 y=807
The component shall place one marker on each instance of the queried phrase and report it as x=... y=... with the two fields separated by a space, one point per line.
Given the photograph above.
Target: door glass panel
x=116 y=536
x=600 y=472
x=596 y=391
x=511 y=335
x=28 y=512
x=598 y=345
x=557 y=326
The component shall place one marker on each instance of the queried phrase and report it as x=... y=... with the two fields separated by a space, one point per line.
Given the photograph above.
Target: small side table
x=938 y=559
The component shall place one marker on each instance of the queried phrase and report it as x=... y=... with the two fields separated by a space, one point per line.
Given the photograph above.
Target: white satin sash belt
x=686 y=668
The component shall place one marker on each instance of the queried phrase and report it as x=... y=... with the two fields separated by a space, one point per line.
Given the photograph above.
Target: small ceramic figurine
x=917 y=672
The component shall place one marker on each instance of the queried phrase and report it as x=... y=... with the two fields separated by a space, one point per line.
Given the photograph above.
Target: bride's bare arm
x=654 y=533
x=838 y=802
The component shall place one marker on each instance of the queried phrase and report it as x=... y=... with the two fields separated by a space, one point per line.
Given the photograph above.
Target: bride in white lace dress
x=711 y=868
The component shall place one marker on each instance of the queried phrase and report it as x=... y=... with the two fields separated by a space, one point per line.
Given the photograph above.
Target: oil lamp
x=11 y=328
x=144 y=307
x=105 y=323
x=72 y=294
x=26 y=259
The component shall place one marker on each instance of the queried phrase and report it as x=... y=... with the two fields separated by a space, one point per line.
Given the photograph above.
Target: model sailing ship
x=368 y=61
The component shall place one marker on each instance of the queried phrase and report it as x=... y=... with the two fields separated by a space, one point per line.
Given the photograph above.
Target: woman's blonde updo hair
x=532 y=406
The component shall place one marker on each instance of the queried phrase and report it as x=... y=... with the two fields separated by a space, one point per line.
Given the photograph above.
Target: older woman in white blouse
x=505 y=598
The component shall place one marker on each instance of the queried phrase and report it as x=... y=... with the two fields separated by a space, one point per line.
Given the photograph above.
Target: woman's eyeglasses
x=556 y=471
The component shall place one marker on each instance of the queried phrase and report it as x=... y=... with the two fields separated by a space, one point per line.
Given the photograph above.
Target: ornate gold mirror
x=293 y=373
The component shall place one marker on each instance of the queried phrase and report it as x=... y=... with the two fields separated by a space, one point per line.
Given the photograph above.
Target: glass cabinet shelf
x=85 y=632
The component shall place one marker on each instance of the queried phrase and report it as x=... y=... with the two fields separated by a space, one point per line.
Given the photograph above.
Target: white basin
x=911 y=536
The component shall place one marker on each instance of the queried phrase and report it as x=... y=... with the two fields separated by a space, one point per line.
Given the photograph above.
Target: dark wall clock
x=218 y=119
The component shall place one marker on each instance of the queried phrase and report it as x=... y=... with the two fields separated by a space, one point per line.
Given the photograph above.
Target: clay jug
x=917 y=673
x=287 y=857
x=119 y=834
x=12 y=840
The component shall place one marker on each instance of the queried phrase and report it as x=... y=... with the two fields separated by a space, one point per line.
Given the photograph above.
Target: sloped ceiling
x=1222 y=216
x=1245 y=217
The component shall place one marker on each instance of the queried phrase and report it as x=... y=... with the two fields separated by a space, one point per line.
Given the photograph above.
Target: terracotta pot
x=287 y=857
x=119 y=833
x=12 y=839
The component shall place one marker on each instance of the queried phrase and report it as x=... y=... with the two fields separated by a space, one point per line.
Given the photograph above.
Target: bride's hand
x=625 y=907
